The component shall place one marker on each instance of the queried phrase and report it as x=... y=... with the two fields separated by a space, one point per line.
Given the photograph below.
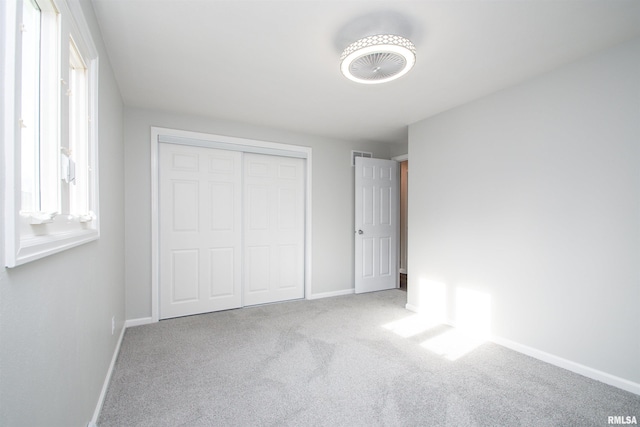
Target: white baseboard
x=412 y=307
x=105 y=385
x=137 y=322
x=569 y=365
x=331 y=294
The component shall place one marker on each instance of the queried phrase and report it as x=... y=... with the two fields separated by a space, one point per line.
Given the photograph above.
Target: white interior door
x=200 y=230
x=376 y=224
x=273 y=229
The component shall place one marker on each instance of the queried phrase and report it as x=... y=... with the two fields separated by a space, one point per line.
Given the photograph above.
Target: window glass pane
x=78 y=132
x=30 y=107
x=50 y=117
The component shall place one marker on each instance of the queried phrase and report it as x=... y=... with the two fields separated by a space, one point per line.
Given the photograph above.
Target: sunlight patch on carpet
x=453 y=344
x=410 y=326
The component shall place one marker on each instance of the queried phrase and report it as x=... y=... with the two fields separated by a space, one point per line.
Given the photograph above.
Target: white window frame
x=30 y=238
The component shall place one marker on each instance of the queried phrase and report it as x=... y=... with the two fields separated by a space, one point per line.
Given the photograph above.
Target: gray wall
x=399 y=149
x=333 y=195
x=55 y=313
x=532 y=197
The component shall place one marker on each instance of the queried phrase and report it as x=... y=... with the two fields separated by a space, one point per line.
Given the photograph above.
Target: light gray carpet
x=330 y=362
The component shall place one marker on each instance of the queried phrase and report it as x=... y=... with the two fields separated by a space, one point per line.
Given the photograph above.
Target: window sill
x=36 y=247
x=48 y=238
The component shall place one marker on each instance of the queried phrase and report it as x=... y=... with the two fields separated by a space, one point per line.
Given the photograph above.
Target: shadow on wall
x=472 y=321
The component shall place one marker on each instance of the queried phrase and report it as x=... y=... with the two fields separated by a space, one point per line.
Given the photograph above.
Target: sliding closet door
x=200 y=230
x=273 y=229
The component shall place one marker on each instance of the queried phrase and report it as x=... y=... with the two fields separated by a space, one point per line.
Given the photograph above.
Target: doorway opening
x=404 y=187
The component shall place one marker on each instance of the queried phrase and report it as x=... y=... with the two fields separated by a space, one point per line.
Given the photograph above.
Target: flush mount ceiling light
x=378 y=59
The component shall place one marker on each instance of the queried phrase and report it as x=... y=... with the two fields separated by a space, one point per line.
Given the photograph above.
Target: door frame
x=176 y=136
x=401 y=158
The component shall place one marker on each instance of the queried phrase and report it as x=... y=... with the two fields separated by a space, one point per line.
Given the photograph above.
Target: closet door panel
x=200 y=230
x=274 y=229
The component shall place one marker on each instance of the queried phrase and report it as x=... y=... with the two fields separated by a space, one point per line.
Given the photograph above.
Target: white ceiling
x=276 y=63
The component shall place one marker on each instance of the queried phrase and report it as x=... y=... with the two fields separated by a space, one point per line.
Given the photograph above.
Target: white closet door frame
x=176 y=136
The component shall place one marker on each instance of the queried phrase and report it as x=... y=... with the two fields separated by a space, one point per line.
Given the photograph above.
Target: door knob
x=360 y=232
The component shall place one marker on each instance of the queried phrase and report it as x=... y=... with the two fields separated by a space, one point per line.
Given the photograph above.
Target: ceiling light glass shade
x=378 y=59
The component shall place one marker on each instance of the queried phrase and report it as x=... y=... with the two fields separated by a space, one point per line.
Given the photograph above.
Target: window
x=49 y=127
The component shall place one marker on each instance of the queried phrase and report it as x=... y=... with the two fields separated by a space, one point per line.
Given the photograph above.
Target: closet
x=231 y=229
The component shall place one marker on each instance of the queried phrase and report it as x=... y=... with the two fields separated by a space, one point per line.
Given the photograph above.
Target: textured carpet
x=338 y=362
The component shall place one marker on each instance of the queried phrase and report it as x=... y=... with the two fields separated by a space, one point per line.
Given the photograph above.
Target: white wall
x=532 y=197
x=55 y=313
x=333 y=195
